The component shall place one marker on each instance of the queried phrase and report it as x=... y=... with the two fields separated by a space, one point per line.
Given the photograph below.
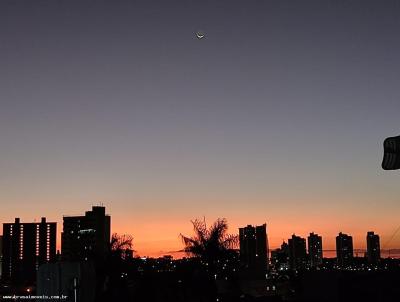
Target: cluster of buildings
x=28 y=250
x=27 y=246
x=296 y=254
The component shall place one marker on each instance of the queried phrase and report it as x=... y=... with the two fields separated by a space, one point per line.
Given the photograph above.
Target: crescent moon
x=199 y=35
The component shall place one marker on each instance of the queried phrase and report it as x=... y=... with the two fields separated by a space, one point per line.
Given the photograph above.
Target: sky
x=276 y=116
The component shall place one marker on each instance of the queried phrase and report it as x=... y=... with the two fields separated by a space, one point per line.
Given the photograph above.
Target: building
x=76 y=281
x=373 y=248
x=315 y=249
x=297 y=252
x=1 y=256
x=280 y=257
x=253 y=243
x=86 y=237
x=26 y=246
x=344 y=250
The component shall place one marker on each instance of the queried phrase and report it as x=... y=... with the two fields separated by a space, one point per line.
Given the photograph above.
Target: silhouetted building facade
x=373 y=248
x=297 y=252
x=344 y=249
x=68 y=279
x=280 y=257
x=1 y=256
x=26 y=246
x=86 y=237
x=254 y=248
x=315 y=249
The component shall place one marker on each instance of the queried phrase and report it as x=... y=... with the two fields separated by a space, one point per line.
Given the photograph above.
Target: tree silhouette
x=120 y=244
x=210 y=244
x=113 y=271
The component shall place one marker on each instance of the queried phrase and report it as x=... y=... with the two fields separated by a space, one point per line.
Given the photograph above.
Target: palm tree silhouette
x=112 y=272
x=212 y=244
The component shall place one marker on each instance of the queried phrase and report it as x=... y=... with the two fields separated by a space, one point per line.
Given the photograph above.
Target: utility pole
x=75 y=289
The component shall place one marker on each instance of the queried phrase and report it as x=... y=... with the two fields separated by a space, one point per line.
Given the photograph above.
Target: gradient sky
x=278 y=115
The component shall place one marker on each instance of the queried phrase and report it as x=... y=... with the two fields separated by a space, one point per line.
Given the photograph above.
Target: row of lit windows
x=48 y=244
x=37 y=252
x=21 y=242
x=21 y=245
x=37 y=240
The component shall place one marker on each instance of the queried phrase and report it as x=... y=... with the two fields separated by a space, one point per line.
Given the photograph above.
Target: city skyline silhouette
x=387 y=248
x=278 y=115
x=200 y=151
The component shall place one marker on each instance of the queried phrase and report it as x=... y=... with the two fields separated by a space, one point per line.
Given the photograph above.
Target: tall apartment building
x=344 y=249
x=315 y=249
x=373 y=248
x=297 y=252
x=1 y=256
x=86 y=237
x=25 y=247
x=253 y=243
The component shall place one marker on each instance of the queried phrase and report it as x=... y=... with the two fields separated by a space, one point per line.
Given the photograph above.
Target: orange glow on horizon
x=157 y=233
x=149 y=241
